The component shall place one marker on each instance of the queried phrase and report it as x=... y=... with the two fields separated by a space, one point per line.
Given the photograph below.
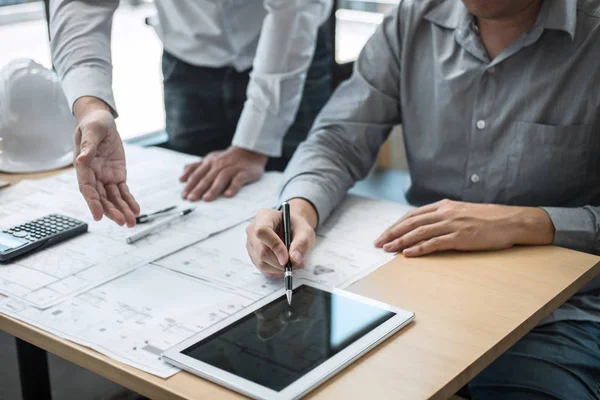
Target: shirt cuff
x=260 y=132
x=312 y=192
x=86 y=81
x=574 y=227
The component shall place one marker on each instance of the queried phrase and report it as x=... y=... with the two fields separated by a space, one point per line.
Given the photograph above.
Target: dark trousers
x=203 y=105
x=560 y=360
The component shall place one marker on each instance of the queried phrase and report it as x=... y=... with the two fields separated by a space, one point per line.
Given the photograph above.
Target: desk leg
x=33 y=370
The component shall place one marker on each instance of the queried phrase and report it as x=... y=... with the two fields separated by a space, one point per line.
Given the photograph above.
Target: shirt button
x=475 y=178
x=481 y=124
x=491 y=70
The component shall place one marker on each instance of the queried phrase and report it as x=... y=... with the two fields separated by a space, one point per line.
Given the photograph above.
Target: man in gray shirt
x=500 y=104
x=238 y=76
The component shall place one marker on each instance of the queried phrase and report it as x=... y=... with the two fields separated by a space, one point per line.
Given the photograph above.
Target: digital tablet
x=271 y=350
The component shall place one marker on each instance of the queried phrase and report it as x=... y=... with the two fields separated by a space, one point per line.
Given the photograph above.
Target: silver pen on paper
x=157 y=226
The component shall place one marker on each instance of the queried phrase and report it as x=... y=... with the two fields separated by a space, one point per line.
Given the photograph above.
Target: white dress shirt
x=276 y=38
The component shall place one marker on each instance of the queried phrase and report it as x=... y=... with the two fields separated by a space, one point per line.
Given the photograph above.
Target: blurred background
x=137 y=50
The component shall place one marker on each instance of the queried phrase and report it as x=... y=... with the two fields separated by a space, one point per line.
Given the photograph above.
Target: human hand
x=264 y=238
x=100 y=163
x=222 y=172
x=450 y=225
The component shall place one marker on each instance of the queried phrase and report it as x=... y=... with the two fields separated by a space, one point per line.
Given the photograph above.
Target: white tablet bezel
x=311 y=379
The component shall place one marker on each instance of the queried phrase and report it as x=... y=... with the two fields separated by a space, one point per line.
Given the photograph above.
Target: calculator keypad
x=44 y=227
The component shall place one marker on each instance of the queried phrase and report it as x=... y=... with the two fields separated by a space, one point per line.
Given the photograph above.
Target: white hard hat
x=36 y=124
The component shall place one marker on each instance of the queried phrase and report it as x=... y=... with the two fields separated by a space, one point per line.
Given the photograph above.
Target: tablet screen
x=277 y=344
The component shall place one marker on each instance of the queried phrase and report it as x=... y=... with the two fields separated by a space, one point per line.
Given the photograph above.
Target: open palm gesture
x=101 y=171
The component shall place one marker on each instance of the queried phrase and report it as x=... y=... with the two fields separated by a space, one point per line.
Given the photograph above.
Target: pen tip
x=288 y=294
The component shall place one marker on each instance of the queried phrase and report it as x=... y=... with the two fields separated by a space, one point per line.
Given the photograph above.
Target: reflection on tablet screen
x=277 y=344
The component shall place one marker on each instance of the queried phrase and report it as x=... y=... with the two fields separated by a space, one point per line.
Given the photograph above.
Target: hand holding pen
x=265 y=242
x=287 y=239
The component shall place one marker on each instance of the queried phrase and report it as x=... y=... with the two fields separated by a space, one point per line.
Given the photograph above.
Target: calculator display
x=10 y=242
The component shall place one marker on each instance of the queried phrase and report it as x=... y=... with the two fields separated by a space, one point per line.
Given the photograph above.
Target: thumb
x=303 y=240
x=91 y=137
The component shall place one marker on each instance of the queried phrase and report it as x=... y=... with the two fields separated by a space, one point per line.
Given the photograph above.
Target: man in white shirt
x=234 y=72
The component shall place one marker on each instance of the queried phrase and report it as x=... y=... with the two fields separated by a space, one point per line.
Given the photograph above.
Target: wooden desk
x=470 y=308
x=15 y=178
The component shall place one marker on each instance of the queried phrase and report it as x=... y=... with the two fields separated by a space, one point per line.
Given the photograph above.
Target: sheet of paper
x=343 y=254
x=53 y=275
x=360 y=220
x=16 y=192
x=134 y=318
x=355 y=225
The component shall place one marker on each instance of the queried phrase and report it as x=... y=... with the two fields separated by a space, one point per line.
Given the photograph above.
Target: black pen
x=287 y=238
x=144 y=218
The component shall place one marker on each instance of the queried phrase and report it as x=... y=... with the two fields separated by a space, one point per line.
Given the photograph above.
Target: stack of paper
x=49 y=277
x=131 y=302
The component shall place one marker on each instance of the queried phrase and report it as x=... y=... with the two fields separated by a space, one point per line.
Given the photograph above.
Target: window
x=356 y=22
x=13 y=2
x=136 y=51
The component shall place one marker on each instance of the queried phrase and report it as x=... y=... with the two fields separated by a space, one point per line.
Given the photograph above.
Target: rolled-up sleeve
x=80 y=45
x=351 y=128
x=576 y=228
x=284 y=54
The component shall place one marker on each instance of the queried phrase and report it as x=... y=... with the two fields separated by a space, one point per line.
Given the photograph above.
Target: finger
x=266 y=256
x=250 y=248
x=203 y=184
x=188 y=169
x=91 y=137
x=194 y=178
x=109 y=208
x=268 y=237
x=303 y=240
x=439 y=243
x=299 y=266
x=271 y=272
x=402 y=228
x=87 y=187
x=417 y=235
x=77 y=145
x=220 y=183
x=266 y=268
x=414 y=213
x=114 y=196
x=237 y=182
x=128 y=197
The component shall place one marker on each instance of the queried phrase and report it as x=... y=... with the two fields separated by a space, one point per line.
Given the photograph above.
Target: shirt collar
x=452 y=14
x=448 y=13
x=562 y=15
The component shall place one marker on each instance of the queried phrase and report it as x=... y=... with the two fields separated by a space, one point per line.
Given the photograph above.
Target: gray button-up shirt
x=277 y=38
x=522 y=129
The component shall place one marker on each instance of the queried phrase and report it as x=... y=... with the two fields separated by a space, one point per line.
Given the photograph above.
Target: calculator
x=37 y=235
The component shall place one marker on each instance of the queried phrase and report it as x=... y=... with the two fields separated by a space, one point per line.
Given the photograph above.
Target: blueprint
x=134 y=318
x=223 y=260
x=344 y=251
x=99 y=292
x=59 y=272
